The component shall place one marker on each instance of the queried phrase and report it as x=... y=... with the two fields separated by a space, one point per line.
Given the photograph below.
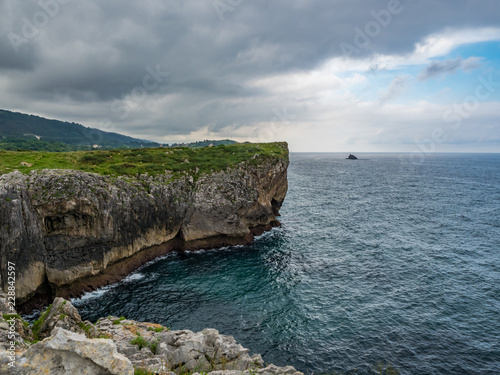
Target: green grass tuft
x=10 y=316
x=85 y=328
x=140 y=371
x=141 y=342
x=118 y=321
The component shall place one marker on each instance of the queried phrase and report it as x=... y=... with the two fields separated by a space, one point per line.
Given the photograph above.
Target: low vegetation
x=157 y=329
x=141 y=342
x=16 y=144
x=86 y=328
x=118 y=321
x=10 y=316
x=38 y=323
x=154 y=161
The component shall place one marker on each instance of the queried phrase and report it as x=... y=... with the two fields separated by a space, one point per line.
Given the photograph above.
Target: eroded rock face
x=230 y=203
x=21 y=236
x=68 y=231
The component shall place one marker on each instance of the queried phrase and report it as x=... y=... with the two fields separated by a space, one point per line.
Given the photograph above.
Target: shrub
x=38 y=323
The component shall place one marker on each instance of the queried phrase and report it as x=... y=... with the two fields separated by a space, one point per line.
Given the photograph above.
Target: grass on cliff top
x=153 y=161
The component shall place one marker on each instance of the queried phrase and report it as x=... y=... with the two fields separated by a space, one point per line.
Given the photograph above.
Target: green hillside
x=19 y=131
x=153 y=161
x=23 y=132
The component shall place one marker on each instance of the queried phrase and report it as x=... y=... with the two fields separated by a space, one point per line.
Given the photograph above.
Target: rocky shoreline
x=65 y=232
x=69 y=231
x=60 y=343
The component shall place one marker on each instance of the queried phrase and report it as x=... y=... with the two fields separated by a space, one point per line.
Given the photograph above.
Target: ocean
x=378 y=260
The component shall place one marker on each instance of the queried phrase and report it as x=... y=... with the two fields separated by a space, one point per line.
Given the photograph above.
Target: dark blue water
x=378 y=260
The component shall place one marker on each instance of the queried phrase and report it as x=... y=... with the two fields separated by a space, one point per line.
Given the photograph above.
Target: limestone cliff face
x=69 y=230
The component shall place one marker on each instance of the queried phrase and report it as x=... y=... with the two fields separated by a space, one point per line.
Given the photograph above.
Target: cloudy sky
x=324 y=75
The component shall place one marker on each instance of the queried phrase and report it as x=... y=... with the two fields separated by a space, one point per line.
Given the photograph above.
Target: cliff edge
x=60 y=343
x=68 y=230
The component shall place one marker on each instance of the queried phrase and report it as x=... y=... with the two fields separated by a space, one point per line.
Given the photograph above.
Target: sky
x=417 y=76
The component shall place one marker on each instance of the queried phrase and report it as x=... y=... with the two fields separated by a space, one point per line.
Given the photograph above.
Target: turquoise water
x=377 y=260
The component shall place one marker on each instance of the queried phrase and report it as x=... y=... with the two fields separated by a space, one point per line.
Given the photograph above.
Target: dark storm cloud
x=10 y=58
x=99 y=51
x=449 y=66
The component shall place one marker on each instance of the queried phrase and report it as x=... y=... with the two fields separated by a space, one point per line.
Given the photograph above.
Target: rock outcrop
x=119 y=346
x=68 y=353
x=152 y=347
x=68 y=231
x=60 y=314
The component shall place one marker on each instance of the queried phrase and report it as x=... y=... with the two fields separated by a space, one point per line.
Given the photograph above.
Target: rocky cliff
x=68 y=231
x=118 y=346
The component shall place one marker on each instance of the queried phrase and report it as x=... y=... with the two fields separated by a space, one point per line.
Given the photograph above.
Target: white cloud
x=436 y=45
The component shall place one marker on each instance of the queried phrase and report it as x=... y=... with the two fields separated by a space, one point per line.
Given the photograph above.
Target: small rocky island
x=60 y=343
x=351 y=157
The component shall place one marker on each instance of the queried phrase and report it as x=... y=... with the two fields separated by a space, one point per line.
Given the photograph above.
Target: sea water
x=378 y=260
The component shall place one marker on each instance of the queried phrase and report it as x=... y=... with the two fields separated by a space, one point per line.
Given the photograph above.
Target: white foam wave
x=91 y=295
x=133 y=277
